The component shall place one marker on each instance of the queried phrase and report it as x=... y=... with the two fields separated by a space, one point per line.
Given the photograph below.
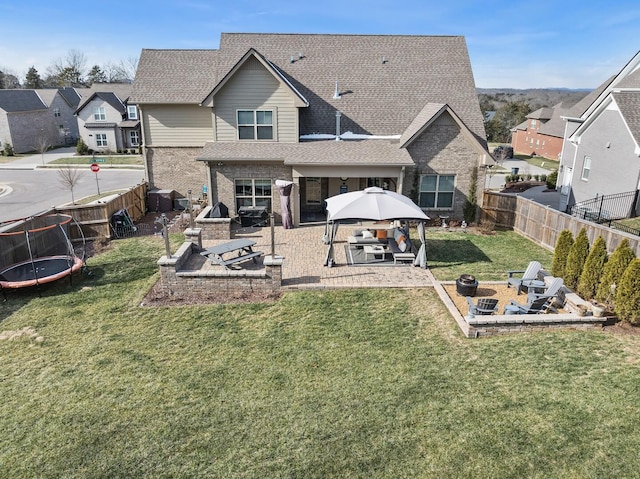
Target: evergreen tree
x=592 y=271
x=470 y=208
x=32 y=80
x=96 y=75
x=1 y=80
x=560 y=253
x=627 y=304
x=614 y=269
x=575 y=260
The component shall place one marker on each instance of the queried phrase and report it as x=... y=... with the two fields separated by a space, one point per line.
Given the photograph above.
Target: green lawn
x=631 y=222
x=353 y=383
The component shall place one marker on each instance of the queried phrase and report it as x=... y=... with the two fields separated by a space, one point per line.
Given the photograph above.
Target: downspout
x=143 y=147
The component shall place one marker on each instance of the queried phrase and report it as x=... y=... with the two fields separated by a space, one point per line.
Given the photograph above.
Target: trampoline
x=39 y=250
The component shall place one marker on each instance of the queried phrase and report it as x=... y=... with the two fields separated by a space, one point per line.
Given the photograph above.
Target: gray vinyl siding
x=176 y=125
x=255 y=88
x=614 y=169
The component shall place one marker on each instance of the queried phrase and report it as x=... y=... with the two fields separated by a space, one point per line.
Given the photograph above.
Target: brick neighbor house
x=332 y=113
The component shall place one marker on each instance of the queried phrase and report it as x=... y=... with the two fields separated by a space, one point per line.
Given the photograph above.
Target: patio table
x=219 y=254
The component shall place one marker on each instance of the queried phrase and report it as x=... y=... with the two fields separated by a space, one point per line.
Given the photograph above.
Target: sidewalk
x=34 y=161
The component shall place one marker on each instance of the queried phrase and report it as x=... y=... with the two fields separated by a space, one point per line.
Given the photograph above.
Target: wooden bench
x=226 y=262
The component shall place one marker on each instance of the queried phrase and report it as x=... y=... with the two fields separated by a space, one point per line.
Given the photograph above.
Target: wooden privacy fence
x=94 y=218
x=544 y=224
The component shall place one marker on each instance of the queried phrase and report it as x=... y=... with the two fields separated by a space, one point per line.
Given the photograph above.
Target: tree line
x=505 y=117
x=72 y=71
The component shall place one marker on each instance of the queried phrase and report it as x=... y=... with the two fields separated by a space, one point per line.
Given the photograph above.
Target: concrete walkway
x=32 y=162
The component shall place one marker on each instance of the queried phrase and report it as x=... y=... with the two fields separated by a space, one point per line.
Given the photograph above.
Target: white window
x=132 y=112
x=134 y=138
x=255 y=125
x=56 y=112
x=533 y=123
x=99 y=114
x=101 y=140
x=586 y=167
x=253 y=192
x=436 y=191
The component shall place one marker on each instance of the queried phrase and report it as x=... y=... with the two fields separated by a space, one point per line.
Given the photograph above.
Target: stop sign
x=94 y=167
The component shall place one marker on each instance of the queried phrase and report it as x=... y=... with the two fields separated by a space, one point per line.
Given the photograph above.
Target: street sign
x=95 y=167
x=99 y=160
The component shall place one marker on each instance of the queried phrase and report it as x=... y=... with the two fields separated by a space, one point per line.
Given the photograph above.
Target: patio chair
x=530 y=274
x=551 y=291
x=533 y=306
x=484 y=306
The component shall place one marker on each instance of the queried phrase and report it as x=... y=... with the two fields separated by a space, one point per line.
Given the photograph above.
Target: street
x=26 y=190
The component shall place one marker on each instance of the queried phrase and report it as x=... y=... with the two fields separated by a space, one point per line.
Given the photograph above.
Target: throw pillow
x=402 y=245
x=381 y=234
x=367 y=234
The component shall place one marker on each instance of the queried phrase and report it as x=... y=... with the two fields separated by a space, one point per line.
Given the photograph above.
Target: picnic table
x=222 y=254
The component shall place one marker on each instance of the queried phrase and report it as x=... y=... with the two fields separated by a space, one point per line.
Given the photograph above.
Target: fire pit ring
x=466 y=285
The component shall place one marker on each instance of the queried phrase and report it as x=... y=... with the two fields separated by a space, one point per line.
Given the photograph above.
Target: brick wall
x=176 y=169
x=443 y=149
x=213 y=228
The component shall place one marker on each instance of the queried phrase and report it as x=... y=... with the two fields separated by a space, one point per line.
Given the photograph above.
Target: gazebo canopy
x=372 y=204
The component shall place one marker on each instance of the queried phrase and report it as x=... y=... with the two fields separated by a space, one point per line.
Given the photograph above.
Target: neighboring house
x=106 y=122
x=25 y=121
x=601 y=151
x=332 y=113
x=541 y=134
x=62 y=104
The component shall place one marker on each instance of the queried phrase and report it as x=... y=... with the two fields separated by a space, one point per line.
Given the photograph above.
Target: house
x=62 y=104
x=332 y=113
x=541 y=134
x=601 y=149
x=106 y=122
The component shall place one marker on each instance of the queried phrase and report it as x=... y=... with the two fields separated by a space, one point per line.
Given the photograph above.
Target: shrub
x=552 y=179
x=575 y=260
x=536 y=177
x=543 y=178
x=560 y=253
x=627 y=304
x=470 y=208
x=8 y=149
x=81 y=147
x=592 y=271
x=614 y=269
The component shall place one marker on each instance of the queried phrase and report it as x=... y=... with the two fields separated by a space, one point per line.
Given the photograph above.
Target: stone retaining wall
x=213 y=228
x=180 y=283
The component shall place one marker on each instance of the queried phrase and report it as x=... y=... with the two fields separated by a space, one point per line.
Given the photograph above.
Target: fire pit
x=466 y=285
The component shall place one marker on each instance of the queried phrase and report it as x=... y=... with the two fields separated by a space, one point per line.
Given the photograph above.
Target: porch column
x=295 y=201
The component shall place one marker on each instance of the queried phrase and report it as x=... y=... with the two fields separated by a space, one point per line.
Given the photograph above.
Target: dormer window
x=132 y=112
x=99 y=114
x=255 y=124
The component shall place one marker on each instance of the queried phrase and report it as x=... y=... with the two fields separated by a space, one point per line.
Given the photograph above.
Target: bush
x=560 y=253
x=627 y=304
x=81 y=147
x=613 y=270
x=575 y=260
x=592 y=271
x=552 y=180
x=7 y=150
x=470 y=208
x=543 y=178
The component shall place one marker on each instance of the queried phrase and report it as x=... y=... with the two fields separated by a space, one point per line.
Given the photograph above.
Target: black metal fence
x=606 y=208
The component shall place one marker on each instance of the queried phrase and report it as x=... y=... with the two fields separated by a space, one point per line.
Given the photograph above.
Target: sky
x=512 y=44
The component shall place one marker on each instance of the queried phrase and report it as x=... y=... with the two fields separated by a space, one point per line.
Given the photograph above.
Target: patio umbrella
x=372 y=204
x=285 y=187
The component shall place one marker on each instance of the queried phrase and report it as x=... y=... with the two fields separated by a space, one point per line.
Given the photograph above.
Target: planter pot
x=598 y=311
x=466 y=285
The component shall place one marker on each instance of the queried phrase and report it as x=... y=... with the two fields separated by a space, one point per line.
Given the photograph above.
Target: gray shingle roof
x=174 y=76
x=71 y=96
x=427 y=113
x=328 y=152
x=543 y=113
x=13 y=101
x=629 y=105
x=630 y=81
x=377 y=97
x=106 y=96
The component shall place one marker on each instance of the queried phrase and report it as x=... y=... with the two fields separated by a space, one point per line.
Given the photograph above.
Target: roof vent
x=300 y=56
x=384 y=59
x=336 y=93
x=292 y=59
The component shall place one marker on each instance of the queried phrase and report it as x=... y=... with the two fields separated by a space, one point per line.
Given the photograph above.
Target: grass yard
x=320 y=384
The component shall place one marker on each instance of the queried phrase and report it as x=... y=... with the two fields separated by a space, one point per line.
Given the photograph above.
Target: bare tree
x=68 y=71
x=69 y=176
x=42 y=145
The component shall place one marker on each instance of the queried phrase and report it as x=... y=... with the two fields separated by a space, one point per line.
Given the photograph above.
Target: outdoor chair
x=530 y=274
x=533 y=306
x=551 y=291
x=483 y=306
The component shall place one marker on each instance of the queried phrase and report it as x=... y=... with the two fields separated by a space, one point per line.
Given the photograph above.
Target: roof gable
x=429 y=114
x=107 y=97
x=299 y=100
x=629 y=106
